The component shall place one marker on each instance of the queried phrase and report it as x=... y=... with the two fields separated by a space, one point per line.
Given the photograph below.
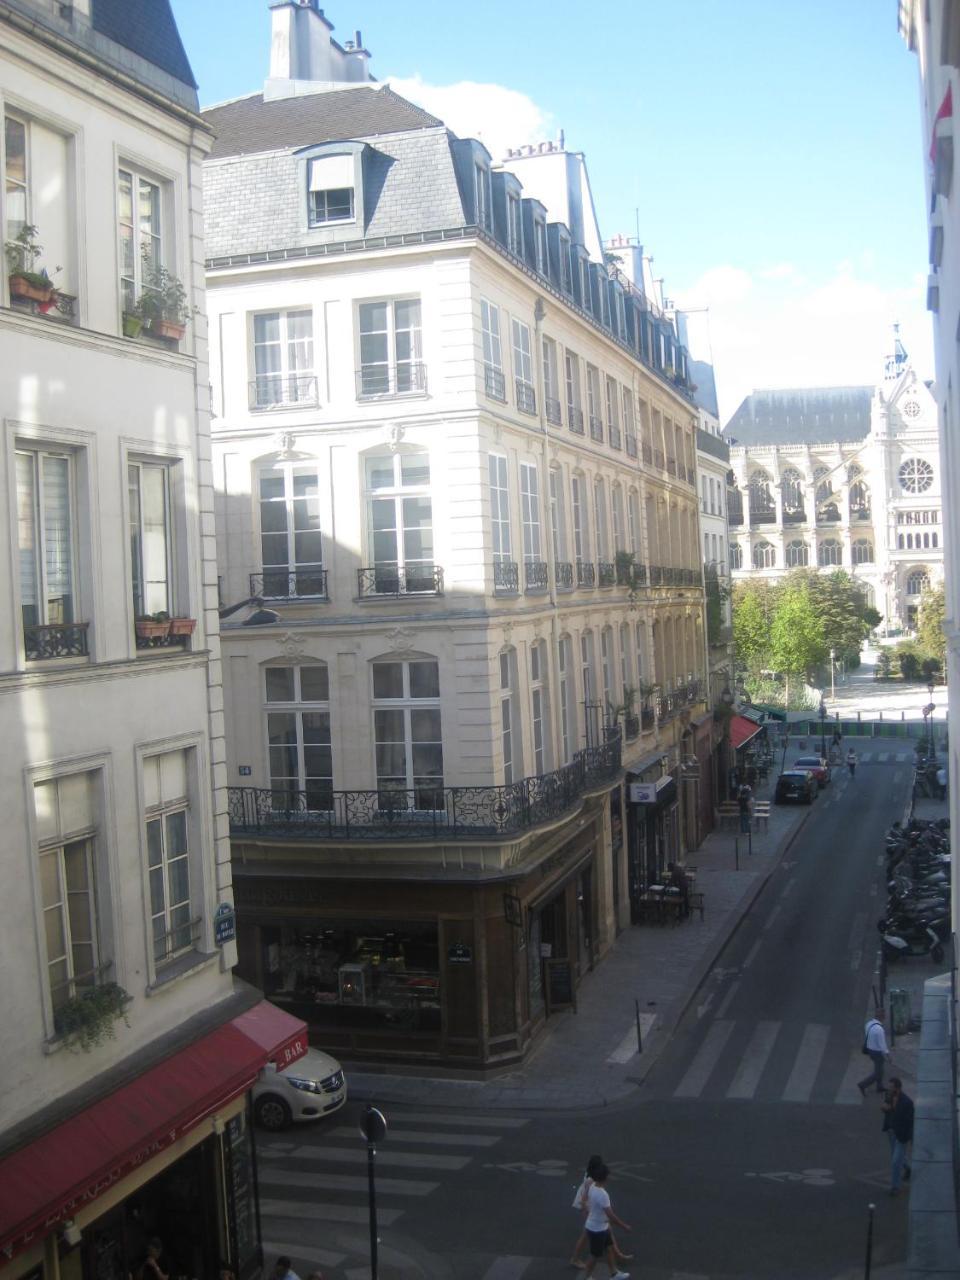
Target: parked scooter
x=925 y=944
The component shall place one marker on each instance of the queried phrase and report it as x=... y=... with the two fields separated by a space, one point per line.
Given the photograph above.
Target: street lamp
x=823 y=732
x=931 y=707
x=727 y=700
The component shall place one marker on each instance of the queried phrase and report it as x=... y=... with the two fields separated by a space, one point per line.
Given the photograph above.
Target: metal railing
x=290 y=584
x=526 y=396
x=551 y=408
x=671 y=466
x=506 y=575
x=631 y=727
x=596 y=428
x=408 y=377
x=563 y=571
x=283 y=391
x=606 y=573
x=639 y=575
x=575 y=419
x=56 y=640
x=389 y=580
x=646 y=452
x=472 y=813
x=535 y=575
x=647 y=718
x=586 y=573
x=494 y=383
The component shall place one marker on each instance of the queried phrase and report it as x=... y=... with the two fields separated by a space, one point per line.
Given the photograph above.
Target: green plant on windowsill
x=89 y=1018
x=152 y=626
x=24 y=279
x=163 y=306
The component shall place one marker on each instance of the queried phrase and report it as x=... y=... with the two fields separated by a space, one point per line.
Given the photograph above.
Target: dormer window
x=330 y=194
x=481 y=182
x=514 y=225
x=540 y=245
x=566 y=279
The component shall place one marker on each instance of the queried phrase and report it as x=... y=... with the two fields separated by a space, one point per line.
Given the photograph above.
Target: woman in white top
x=580 y=1203
x=600 y=1218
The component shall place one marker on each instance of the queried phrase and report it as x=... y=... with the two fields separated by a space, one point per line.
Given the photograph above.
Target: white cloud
x=777 y=329
x=498 y=116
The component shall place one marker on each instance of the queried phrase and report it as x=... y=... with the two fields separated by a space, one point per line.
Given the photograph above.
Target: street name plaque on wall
x=224 y=924
x=459 y=953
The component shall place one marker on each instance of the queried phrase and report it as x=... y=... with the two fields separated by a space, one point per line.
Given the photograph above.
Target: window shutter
x=331 y=173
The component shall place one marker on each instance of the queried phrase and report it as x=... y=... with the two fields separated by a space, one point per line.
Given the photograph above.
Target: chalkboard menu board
x=241 y=1209
x=560 y=989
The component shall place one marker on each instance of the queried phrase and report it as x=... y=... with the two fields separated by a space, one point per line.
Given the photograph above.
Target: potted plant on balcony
x=163 y=306
x=132 y=324
x=25 y=280
x=182 y=626
x=89 y=1018
x=152 y=626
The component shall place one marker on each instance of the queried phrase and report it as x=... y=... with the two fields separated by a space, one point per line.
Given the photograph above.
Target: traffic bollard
x=866 y=1270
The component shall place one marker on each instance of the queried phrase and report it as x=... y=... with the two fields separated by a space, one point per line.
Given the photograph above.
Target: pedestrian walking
x=283 y=1269
x=852 y=761
x=837 y=737
x=580 y=1203
x=745 y=804
x=600 y=1218
x=875 y=1046
x=898 y=1126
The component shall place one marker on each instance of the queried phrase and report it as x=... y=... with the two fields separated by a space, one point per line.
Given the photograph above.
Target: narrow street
x=750 y=1116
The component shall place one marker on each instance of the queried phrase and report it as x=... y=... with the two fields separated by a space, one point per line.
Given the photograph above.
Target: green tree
x=751 y=625
x=930 y=636
x=797 y=645
x=846 y=617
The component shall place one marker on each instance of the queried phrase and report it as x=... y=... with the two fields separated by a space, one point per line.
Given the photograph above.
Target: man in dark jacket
x=898 y=1125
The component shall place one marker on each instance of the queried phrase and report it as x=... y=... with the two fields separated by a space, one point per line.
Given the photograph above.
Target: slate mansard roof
x=250 y=125
x=147 y=28
x=808 y=415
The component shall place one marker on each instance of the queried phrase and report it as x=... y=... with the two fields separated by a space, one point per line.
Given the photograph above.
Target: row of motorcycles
x=917 y=920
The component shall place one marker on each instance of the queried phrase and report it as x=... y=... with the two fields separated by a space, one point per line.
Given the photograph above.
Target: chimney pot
x=359 y=39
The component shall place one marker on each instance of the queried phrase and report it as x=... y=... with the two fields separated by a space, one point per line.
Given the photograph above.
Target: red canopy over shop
x=70 y=1166
x=741 y=731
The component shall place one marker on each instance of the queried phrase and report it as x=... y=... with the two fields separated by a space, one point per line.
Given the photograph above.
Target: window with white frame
x=862 y=550
x=151 y=541
x=400 y=520
x=283 y=360
x=139 y=206
x=391 y=353
x=493 y=380
x=568 y=708
x=551 y=382
x=764 y=555
x=539 y=708
x=600 y=517
x=641 y=641
x=514 y=225
x=629 y=422
x=297 y=708
x=571 y=368
x=591 y=719
x=523 y=367
x=617 y=508
x=557 y=530
x=507 y=743
x=624 y=660
x=174 y=925
x=530 y=512
x=540 y=245
x=67 y=825
x=330 y=190
x=578 y=509
x=829 y=552
x=613 y=412
x=499 y=508
x=407 y=734
x=15 y=177
x=481 y=184
x=633 y=522
x=46 y=542
x=606 y=670
x=593 y=402
x=291 y=542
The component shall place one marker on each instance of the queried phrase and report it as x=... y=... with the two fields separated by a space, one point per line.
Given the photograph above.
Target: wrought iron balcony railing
x=535 y=575
x=646 y=452
x=586 y=573
x=671 y=466
x=290 y=584
x=526 y=396
x=389 y=580
x=631 y=727
x=283 y=391
x=624 y=572
x=647 y=718
x=596 y=428
x=494 y=383
x=575 y=419
x=639 y=575
x=434 y=812
x=551 y=408
x=606 y=573
x=656 y=576
x=563 y=570
x=405 y=378
x=506 y=575
x=56 y=640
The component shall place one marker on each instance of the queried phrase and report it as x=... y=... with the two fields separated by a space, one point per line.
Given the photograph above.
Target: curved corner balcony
x=432 y=813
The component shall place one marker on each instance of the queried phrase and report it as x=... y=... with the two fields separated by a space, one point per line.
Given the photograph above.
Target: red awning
x=70 y=1166
x=741 y=731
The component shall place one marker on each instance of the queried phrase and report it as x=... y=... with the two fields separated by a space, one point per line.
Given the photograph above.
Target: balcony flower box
x=152 y=628
x=182 y=626
x=161 y=328
x=26 y=281
x=163 y=307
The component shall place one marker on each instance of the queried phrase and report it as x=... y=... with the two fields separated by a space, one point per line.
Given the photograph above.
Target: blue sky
x=770 y=149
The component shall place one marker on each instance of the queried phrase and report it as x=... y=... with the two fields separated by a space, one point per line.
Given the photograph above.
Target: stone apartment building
x=128 y=1047
x=842 y=478
x=455 y=457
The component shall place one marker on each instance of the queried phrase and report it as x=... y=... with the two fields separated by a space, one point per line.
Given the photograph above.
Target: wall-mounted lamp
x=71 y=1233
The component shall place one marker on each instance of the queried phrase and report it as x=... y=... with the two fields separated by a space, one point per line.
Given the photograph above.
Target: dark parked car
x=819 y=767
x=796 y=784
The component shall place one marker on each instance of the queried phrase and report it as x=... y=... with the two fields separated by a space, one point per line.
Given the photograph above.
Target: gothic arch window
x=916 y=581
x=859 y=499
x=797 y=555
x=933 y=540
x=909 y=541
x=736 y=556
x=915 y=475
x=764 y=556
x=900 y=542
x=761 y=498
x=791 y=484
x=863 y=551
x=853 y=472
x=829 y=552
x=824 y=485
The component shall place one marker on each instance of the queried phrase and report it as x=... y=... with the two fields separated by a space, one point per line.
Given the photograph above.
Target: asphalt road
x=747 y=1152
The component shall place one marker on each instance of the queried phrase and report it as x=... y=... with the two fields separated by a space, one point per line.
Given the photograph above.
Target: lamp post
x=931 y=707
x=727 y=700
x=823 y=731
x=373 y=1127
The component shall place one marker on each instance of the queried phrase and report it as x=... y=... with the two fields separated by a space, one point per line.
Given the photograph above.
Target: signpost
x=373 y=1126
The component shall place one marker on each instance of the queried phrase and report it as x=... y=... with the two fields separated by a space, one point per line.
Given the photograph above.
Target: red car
x=819 y=767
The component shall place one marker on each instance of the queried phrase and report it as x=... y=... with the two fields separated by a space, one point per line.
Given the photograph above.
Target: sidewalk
x=591 y=1056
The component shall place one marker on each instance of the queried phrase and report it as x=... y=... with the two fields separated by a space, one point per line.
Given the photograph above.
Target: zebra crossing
x=882 y=757
x=313 y=1194
x=771 y=1061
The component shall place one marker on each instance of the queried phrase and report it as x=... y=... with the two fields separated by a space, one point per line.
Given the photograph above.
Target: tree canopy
x=930 y=636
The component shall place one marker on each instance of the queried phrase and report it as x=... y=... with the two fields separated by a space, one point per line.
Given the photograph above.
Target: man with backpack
x=875 y=1047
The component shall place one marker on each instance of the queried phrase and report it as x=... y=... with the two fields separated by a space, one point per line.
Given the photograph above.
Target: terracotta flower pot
x=22 y=288
x=149 y=629
x=182 y=626
x=167 y=329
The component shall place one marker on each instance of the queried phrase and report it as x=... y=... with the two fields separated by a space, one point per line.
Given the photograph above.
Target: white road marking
x=804 y=1073
x=627 y=1048
x=866 y=757
x=702 y=1008
x=901 y=756
x=728 y=998
x=754 y=1060
x=297 y=1251
x=320 y=1209
x=345 y=1182
x=752 y=954
x=509 y=1267
x=772 y=917
x=883 y=757
x=480 y=1122
x=358 y=1155
x=433 y=1139
x=698 y=1073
